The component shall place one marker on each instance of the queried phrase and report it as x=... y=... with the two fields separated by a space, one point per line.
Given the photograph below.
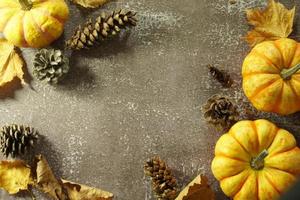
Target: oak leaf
x=198 y=189
x=90 y=3
x=15 y=176
x=46 y=181
x=11 y=63
x=272 y=23
x=82 y=192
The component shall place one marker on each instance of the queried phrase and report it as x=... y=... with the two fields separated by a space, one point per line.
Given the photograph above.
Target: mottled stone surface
x=139 y=96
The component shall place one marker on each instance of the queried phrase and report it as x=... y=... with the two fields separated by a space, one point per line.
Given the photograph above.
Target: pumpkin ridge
x=258 y=73
x=288 y=172
x=294 y=53
x=278 y=153
x=9 y=19
x=47 y=35
x=240 y=145
x=242 y=185
x=46 y=12
x=230 y=157
x=281 y=55
x=278 y=99
x=293 y=89
x=24 y=42
x=262 y=88
x=233 y=175
x=269 y=61
x=253 y=125
x=272 y=184
x=257 y=185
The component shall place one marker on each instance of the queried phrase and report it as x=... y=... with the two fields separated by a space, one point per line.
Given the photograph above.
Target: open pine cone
x=93 y=33
x=164 y=183
x=16 y=140
x=220 y=111
x=50 y=65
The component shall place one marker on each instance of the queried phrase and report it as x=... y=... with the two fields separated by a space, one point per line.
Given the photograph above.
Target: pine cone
x=220 y=111
x=164 y=183
x=50 y=65
x=16 y=140
x=105 y=26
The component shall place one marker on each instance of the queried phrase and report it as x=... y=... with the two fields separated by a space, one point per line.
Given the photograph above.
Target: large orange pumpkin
x=256 y=160
x=271 y=76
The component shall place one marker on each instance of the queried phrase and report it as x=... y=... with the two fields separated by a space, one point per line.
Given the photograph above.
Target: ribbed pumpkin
x=35 y=23
x=271 y=76
x=256 y=160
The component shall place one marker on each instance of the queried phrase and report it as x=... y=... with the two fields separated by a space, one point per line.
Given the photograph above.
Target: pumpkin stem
x=26 y=4
x=287 y=73
x=258 y=162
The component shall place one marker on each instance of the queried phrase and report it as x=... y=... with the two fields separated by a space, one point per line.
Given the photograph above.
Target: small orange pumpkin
x=271 y=76
x=32 y=23
x=256 y=160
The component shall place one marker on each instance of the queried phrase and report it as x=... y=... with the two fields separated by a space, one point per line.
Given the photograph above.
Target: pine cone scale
x=50 y=65
x=92 y=33
x=220 y=111
x=164 y=183
x=16 y=140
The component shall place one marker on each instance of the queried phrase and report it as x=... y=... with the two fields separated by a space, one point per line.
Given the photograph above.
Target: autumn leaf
x=90 y=3
x=82 y=192
x=198 y=189
x=46 y=181
x=15 y=176
x=11 y=63
x=272 y=23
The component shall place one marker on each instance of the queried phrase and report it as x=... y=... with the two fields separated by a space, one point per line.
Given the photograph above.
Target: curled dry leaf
x=82 y=192
x=198 y=189
x=273 y=23
x=15 y=176
x=46 y=181
x=11 y=63
x=90 y=3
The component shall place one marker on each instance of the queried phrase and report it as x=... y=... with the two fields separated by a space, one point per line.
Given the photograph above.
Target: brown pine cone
x=16 y=140
x=164 y=183
x=221 y=76
x=219 y=110
x=93 y=33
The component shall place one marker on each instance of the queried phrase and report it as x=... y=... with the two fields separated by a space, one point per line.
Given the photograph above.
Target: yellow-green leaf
x=272 y=23
x=11 y=63
x=15 y=176
x=90 y=3
x=197 y=189
x=82 y=192
x=46 y=181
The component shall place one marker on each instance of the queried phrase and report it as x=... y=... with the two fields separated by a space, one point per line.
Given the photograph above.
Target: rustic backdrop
x=139 y=95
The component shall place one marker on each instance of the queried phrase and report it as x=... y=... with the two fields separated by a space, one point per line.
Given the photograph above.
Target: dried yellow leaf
x=90 y=3
x=198 y=189
x=275 y=22
x=11 y=63
x=15 y=176
x=82 y=192
x=46 y=180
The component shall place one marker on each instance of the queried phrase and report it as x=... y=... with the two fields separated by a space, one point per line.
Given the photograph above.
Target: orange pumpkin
x=32 y=23
x=256 y=160
x=271 y=76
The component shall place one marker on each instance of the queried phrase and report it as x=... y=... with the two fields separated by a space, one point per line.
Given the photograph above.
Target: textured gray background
x=139 y=96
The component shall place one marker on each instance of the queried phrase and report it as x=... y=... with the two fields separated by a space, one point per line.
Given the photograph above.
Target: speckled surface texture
x=139 y=96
